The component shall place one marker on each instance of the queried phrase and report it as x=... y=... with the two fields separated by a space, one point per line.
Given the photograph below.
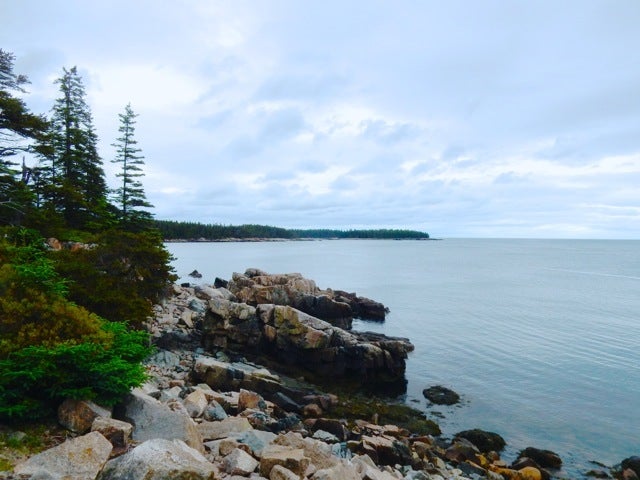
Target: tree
x=74 y=168
x=18 y=129
x=130 y=196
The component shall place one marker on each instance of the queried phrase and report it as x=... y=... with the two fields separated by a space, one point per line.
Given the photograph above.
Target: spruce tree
x=130 y=196
x=74 y=168
x=18 y=129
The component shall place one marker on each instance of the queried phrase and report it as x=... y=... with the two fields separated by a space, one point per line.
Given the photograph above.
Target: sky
x=468 y=118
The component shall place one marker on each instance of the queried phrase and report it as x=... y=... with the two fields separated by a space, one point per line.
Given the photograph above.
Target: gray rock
x=256 y=440
x=196 y=403
x=223 y=428
x=159 y=459
x=239 y=462
x=152 y=419
x=214 y=411
x=78 y=459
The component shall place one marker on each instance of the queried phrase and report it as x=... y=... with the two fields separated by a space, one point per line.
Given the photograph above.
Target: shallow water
x=540 y=337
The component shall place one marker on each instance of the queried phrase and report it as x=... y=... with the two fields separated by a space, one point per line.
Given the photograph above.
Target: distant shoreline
x=260 y=239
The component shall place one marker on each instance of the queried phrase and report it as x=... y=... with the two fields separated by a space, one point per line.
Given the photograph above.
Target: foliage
x=72 y=178
x=35 y=379
x=130 y=195
x=51 y=348
x=18 y=129
x=120 y=277
x=195 y=231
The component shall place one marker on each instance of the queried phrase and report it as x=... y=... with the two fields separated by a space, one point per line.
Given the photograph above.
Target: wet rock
x=79 y=458
x=441 y=395
x=195 y=274
x=462 y=450
x=633 y=463
x=544 y=458
x=159 y=459
x=485 y=441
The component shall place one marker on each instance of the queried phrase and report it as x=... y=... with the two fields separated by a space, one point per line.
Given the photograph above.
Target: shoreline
x=307 y=239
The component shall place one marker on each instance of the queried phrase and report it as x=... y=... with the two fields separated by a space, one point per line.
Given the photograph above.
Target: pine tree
x=74 y=168
x=18 y=129
x=130 y=196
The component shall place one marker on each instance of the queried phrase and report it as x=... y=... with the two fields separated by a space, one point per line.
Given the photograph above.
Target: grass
x=38 y=437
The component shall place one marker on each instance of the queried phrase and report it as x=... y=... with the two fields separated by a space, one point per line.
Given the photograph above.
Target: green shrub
x=120 y=277
x=35 y=379
x=51 y=348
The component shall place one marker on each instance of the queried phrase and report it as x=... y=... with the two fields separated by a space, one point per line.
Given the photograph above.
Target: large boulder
x=297 y=338
x=152 y=419
x=77 y=459
x=160 y=459
x=292 y=289
x=632 y=463
x=441 y=395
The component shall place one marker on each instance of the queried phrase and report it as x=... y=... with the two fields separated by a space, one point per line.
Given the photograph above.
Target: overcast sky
x=459 y=118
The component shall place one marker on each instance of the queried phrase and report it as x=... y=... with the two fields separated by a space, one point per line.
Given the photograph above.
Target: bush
x=35 y=379
x=120 y=277
x=51 y=348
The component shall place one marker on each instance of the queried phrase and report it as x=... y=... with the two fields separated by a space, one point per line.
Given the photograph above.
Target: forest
x=173 y=230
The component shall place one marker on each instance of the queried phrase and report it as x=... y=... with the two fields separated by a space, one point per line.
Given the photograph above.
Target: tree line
x=173 y=230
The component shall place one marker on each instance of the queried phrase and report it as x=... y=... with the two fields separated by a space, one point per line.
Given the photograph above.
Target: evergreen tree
x=74 y=168
x=18 y=129
x=130 y=196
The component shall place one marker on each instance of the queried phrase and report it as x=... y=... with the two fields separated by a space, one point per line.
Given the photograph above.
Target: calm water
x=540 y=337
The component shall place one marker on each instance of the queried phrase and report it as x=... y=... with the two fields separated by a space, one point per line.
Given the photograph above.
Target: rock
x=214 y=411
x=285 y=403
x=385 y=450
x=249 y=399
x=335 y=427
x=236 y=375
x=116 y=431
x=462 y=450
x=239 y=462
x=195 y=274
x=290 y=458
x=78 y=415
x=598 y=474
x=633 y=463
x=441 y=395
x=325 y=437
x=223 y=428
x=196 y=403
x=337 y=472
x=77 y=459
x=530 y=473
x=154 y=420
x=485 y=441
x=159 y=459
x=629 y=474
x=312 y=410
x=544 y=458
x=256 y=440
x=278 y=472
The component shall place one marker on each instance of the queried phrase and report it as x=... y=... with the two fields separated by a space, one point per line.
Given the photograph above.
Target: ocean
x=541 y=338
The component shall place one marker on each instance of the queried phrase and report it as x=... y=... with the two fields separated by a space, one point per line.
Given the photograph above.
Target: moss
x=360 y=408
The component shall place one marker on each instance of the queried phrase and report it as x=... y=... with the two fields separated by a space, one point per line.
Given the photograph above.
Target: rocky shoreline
x=210 y=411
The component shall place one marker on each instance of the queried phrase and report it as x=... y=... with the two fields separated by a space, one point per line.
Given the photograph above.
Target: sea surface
x=540 y=337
